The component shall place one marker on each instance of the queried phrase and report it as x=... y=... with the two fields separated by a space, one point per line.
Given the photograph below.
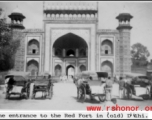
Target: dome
x=17 y=10
x=16 y=13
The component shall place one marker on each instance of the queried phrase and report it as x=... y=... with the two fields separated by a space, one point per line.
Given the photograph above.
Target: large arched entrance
x=70 y=49
x=107 y=66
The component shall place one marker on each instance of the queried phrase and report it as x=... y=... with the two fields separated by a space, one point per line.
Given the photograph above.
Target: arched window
x=33 y=47
x=107 y=66
x=58 y=70
x=33 y=67
x=82 y=53
x=70 y=53
x=82 y=68
x=58 y=52
x=106 y=47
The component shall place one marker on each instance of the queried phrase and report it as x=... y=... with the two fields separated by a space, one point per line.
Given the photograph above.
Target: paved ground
x=64 y=98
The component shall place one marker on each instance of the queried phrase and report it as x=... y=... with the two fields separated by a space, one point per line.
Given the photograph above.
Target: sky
x=141 y=22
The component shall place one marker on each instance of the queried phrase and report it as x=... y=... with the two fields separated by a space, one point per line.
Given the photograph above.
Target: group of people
x=124 y=84
x=125 y=87
x=65 y=78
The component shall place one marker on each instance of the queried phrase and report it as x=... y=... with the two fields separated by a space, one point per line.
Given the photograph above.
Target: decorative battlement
x=58 y=5
x=70 y=10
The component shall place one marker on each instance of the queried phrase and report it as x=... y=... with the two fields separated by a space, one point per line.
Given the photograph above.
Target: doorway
x=70 y=71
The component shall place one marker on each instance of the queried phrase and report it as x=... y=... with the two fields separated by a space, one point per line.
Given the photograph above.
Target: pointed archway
x=82 y=68
x=70 y=49
x=70 y=70
x=107 y=66
x=33 y=67
x=58 y=70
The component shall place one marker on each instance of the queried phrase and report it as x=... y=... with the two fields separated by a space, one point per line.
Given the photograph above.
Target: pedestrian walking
x=108 y=88
x=128 y=88
x=6 y=84
x=121 y=88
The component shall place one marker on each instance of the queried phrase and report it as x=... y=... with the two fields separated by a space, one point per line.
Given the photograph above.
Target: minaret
x=124 y=42
x=17 y=19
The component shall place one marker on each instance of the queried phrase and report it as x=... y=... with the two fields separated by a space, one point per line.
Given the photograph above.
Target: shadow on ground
x=88 y=100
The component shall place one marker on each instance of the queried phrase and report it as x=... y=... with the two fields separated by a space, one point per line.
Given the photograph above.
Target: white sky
x=141 y=22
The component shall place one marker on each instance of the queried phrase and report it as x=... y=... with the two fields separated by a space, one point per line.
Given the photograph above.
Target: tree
x=8 y=47
x=139 y=54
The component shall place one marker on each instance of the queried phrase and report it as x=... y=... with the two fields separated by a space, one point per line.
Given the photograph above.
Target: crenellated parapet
x=70 y=10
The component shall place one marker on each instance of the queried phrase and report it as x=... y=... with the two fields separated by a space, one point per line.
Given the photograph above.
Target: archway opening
x=106 y=47
x=33 y=47
x=70 y=70
x=107 y=66
x=82 y=53
x=71 y=44
x=58 y=52
x=70 y=53
x=33 y=67
x=58 y=70
x=67 y=49
x=82 y=68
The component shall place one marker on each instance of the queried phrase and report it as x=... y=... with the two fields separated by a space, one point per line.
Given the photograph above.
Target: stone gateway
x=70 y=41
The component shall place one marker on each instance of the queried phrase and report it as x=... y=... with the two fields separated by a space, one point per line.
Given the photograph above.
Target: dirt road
x=64 y=98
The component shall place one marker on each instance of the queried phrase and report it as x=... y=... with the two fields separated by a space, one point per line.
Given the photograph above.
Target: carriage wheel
x=102 y=98
x=81 y=96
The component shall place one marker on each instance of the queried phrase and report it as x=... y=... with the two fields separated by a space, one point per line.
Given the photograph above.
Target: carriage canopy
x=133 y=75
x=18 y=76
x=138 y=79
x=92 y=74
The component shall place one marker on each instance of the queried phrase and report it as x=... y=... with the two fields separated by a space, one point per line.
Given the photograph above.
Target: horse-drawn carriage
x=90 y=83
x=138 y=85
x=42 y=84
x=17 y=83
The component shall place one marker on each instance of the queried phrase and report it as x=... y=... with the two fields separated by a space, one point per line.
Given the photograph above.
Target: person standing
x=128 y=88
x=121 y=88
x=6 y=84
x=108 y=88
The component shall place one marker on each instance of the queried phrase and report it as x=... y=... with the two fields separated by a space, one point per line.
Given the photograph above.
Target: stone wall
x=20 y=54
x=124 y=51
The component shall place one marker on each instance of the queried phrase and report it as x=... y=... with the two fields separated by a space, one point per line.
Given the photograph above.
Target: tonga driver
x=50 y=80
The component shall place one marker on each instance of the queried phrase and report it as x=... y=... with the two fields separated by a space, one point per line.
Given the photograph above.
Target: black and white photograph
x=76 y=55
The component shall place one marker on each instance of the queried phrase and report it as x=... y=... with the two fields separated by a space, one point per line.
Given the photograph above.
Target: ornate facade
x=70 y=41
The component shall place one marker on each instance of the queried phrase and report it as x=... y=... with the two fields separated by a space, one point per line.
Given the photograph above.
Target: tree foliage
x=139 y=53
x=8 y=47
